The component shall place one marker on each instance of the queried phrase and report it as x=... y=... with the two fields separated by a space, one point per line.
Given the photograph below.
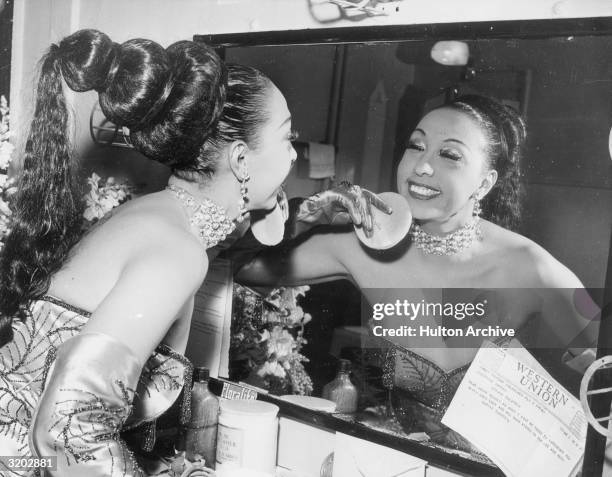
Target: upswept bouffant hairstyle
x=506 y=136
x=172 y=100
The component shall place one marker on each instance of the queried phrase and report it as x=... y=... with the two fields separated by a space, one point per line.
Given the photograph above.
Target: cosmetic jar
x=247 y=436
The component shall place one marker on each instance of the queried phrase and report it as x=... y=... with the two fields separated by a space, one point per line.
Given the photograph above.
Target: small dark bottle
x=201 y=431
x=341 y=390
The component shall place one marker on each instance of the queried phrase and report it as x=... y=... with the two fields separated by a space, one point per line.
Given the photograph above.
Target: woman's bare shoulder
x=528 y=260
x=147 y=226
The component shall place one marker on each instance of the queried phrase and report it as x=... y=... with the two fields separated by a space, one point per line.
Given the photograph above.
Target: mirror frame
x=504 y=29
x=522 y=29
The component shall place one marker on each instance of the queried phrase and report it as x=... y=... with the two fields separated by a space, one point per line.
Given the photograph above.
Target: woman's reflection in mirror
x=460 y=173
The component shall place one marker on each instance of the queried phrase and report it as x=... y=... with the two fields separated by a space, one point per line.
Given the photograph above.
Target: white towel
x=321 y=158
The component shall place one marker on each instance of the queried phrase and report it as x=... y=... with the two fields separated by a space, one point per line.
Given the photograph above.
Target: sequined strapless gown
x=26 y=360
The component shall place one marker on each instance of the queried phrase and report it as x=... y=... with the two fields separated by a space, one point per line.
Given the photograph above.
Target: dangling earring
x=244 y=198
x=477 y=210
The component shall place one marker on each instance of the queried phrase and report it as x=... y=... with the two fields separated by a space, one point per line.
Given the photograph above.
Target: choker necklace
x=209 y=219
x=450 y=244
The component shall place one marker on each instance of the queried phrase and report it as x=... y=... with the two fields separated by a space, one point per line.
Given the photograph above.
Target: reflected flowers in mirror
x=267 y=339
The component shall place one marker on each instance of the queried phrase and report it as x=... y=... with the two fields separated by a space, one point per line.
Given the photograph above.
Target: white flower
x=273 y=368
x=3 y=105
x=94 y=212
x=93 y=181
x=6 y=150
x=102 y=199
x=108 y=202
x=280 y=343
x=4 y=208
x=306 y=318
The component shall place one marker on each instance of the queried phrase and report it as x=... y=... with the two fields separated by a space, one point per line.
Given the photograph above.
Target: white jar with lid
x=247 y=435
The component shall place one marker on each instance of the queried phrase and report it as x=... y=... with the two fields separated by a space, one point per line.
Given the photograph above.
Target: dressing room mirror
x=363 y=98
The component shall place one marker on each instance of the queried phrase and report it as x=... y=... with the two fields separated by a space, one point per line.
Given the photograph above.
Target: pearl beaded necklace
x=450 y=244
x=209 y=219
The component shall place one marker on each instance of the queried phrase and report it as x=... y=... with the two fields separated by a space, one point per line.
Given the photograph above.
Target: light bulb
x=450 y=53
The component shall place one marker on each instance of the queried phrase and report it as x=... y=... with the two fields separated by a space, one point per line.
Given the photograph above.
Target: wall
x=39 y=22
x=6 y=29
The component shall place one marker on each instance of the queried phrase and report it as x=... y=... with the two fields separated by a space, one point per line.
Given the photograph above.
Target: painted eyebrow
x=457 y=141
x=446 y=140
x=288 y=120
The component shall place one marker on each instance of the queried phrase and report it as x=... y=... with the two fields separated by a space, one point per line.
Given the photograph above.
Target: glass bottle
x=341 y=390
x=201 y=431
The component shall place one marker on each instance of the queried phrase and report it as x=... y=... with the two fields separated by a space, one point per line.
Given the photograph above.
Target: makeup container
x=341 y=390
x=247 y=436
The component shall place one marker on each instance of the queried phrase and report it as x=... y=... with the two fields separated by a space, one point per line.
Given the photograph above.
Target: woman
x=460 y=155
x=93 y=327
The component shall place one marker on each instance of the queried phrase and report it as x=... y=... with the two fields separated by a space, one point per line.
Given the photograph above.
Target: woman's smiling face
x=443 y=167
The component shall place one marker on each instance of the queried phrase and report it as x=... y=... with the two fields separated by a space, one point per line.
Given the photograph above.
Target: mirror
x=365 y=98
x=560 y=85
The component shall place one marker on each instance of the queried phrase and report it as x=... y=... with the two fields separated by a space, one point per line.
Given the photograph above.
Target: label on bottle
x=229 y=445
x=235 y=391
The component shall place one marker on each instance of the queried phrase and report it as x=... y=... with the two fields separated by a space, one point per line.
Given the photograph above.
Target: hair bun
x=192 y=104
x=132 y=78
x=85 y=58
x=171 y=100
x=137 y=84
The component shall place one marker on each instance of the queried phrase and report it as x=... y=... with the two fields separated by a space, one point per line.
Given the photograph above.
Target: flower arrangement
x=7 y=187
x=104 y=197
x=101 y=198
x=267 y=338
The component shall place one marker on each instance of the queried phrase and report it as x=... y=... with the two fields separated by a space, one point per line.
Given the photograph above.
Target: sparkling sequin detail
x=420 y=391
x=24 y=364
x=209 y=219
x=423 y=379
x=87 y=410
x=450 y=244
x=26 y=361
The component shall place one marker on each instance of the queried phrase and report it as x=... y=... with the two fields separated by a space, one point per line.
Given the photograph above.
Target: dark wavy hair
x=244 y=111
x=506 y=136
x=172 y=100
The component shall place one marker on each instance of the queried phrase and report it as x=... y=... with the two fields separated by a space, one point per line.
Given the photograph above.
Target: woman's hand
x=344 y=204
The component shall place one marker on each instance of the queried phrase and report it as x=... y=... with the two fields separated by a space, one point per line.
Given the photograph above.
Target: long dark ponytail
x=506 y=136
x=170 y=99
x=47 y=207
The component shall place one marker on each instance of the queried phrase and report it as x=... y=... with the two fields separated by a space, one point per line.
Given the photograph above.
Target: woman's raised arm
x=91 y=385
x=319 y=258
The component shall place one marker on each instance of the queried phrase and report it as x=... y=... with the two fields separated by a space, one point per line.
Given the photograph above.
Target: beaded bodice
x=420 y=391
x=423 y=379
x=25 y=362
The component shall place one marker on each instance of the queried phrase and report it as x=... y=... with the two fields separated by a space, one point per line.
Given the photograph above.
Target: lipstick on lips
x=421 y=191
